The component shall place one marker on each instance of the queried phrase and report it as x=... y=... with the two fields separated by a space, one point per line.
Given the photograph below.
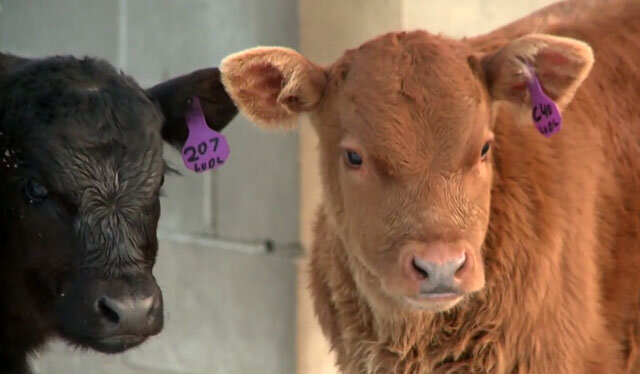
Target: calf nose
x=438 y=268
x=131 y=314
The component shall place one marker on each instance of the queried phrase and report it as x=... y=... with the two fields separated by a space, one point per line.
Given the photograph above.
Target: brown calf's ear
x=271 y=85
x=561 y=65
x=174 y=98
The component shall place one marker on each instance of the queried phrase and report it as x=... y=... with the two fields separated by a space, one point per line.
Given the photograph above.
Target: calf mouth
x=435 y=301
x=109 y=315
x=115 y=344
x=440 y=296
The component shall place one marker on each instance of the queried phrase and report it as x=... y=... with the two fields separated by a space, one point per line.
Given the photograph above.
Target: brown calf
x=453 y=237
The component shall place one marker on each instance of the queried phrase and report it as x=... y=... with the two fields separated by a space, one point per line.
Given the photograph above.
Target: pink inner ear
x=552 y=58
x=267 y=82
x=547 y=62
x=519 y=86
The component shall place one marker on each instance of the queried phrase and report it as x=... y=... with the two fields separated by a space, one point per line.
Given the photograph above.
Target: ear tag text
x=205 y=149
x=544 y=111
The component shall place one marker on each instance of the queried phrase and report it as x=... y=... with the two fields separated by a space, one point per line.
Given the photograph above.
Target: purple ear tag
x=205 y=149
x=545 y=113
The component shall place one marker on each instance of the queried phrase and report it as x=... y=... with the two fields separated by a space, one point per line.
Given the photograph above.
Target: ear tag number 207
x=205 y=149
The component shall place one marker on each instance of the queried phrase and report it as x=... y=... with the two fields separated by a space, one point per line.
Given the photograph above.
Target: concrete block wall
x=229 y=308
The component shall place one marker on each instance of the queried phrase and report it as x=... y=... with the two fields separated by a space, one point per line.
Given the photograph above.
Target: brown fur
x=551 y=225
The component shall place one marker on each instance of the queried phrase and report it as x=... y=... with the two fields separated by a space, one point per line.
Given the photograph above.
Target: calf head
x=81 y=169
x=405 y=125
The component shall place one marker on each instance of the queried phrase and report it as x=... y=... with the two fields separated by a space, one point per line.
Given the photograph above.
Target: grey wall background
x=229 y=307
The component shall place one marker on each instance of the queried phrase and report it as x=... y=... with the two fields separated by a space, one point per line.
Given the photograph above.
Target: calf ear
x=272 y=85
x=174 y=98
x=9 y=62
x=561 y=65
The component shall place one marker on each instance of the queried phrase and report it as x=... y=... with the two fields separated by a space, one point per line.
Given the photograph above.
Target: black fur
x=93 y=138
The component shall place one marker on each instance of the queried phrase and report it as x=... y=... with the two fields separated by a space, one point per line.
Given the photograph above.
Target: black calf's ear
x=8 y=62
x=174 y=97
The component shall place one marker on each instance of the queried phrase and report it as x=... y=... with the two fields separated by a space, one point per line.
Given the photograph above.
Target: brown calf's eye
x=353 y=159
x=485 y=150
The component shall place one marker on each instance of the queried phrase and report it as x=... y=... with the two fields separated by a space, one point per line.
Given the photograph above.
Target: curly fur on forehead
x=92 y=135
x=87 y=100
x=404 y=84
x=75 y=116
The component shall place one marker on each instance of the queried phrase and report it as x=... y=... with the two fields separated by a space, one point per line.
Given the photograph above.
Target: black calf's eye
x=35 y=192
x=485 y=150
x=353 y=159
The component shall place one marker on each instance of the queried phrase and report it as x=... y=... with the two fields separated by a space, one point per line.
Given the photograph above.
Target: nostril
x=107 y=310
x=156 y=304
x=460 y=265
x=421 y=272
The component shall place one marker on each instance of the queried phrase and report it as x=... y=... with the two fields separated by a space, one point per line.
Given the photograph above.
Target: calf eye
x=353 y=159
x=485 y=150
x=35 y=192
